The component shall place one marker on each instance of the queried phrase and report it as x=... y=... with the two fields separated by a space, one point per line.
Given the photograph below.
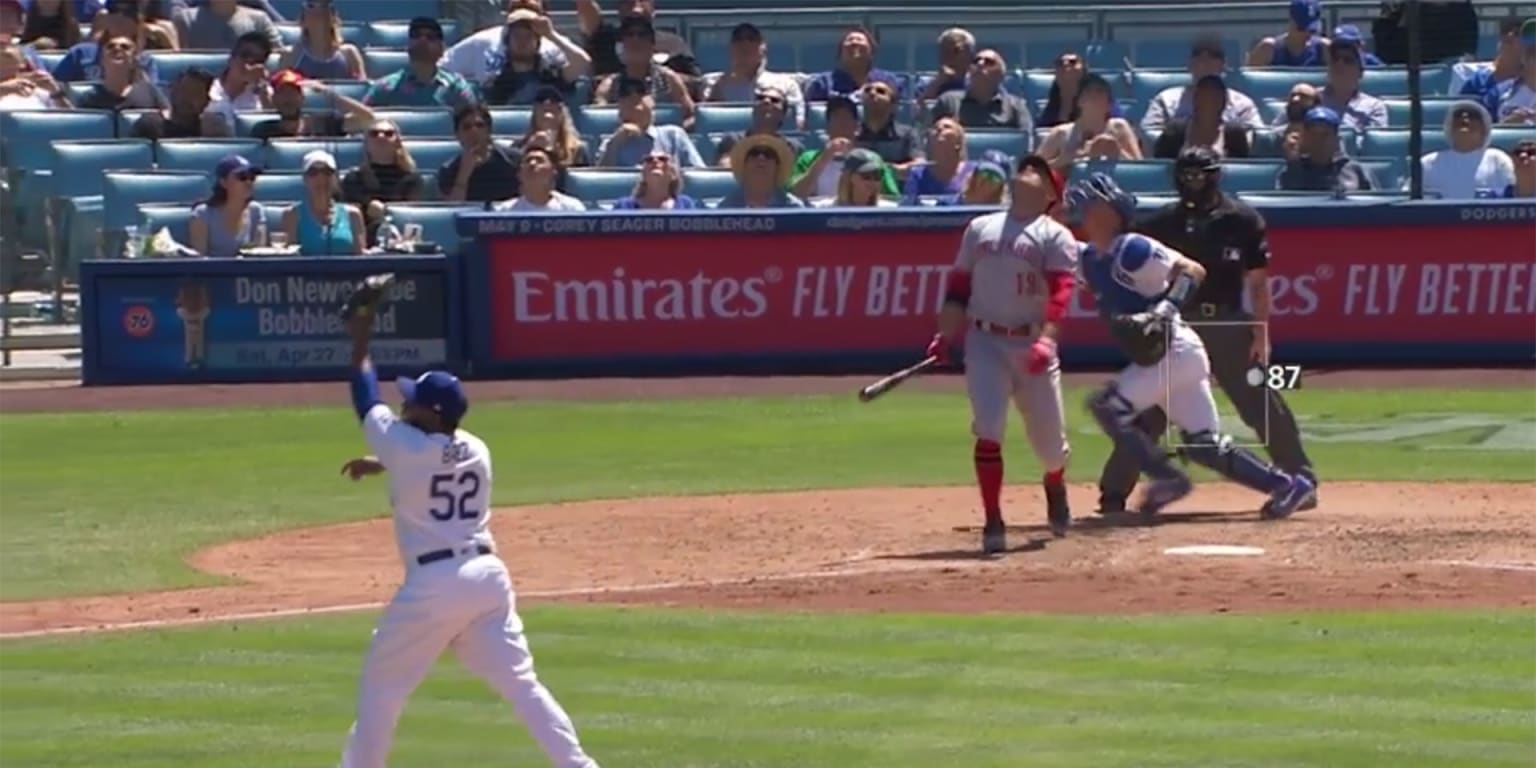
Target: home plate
x=1215 y=550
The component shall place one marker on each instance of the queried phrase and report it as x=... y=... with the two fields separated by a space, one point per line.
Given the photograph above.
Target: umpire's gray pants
x=1228 y=347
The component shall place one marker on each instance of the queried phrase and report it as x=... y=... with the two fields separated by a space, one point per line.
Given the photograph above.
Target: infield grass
x=134 y=493
x=686 y=689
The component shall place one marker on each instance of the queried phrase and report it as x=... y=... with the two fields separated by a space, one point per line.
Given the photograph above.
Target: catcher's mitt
x=1143 y=336
x=368 y=295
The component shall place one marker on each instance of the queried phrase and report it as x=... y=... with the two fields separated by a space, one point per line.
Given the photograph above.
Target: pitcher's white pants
x=467 y=605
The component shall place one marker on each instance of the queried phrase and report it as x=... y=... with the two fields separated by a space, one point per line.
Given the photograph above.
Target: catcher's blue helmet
x=1100 y=187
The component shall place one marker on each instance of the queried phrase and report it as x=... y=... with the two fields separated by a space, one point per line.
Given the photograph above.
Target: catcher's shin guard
x=1217 y=452
x=1117 y=417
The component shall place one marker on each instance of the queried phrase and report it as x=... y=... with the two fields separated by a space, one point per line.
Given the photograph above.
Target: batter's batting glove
x=1041 y=354
x=941 y=348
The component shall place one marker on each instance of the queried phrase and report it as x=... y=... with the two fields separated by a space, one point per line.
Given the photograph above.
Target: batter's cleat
x=1056 y=510
x=1111 y=505
x=1288 y=499
x=994 y=538
x=1160 y=494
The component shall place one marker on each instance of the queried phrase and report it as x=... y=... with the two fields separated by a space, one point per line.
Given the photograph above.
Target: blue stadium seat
x=430 y=154
x=126 y=120
x=1009 y=142
x=1276 y=198
x=1270 y=110
x=353 y=32
x=24 y=157
x=396 y=34
x=76 y=193
x=1100 y=55
x=1275 y=82
x=1173 y=54
x=437 y=221
x=1390 y=172
x=1138 y=176
x=1147 y=83
x=1250 y=175
x=1393 y=81
x=354 y=10
x=1435 y=112
x=594 y=184
x=203 y=154
x=707 y=145
x=155 y=216
x=286 y=187
x=1505 y=137
x=245 y=121
x=272 y=213
x=288 y=154
x=352 y=89
x=816 y=114
x=1394 y=142
x=79 y=90
x=379 y=62
x=603 y=120
x=428 y=121
x=708 y=183
x=509 y=121
x=125 y=191
x=170 y=64
x=725 y=118
x=50 y=59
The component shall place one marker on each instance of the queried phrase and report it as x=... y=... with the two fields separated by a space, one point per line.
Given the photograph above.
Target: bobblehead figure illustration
x=193 y=306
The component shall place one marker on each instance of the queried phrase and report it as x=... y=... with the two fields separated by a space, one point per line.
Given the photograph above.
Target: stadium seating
x=1394 y=142
x=1010 y=143
x=1276 y=82
x=708 y=183
x=380 y=62
x=288 y=154
x=279 y=187
x=431 y=154
x=154 y=217
x=601 y=183
x=437 y=221
x=510 y=120
x=202 y=155
x=125 y=191
x=76 y=189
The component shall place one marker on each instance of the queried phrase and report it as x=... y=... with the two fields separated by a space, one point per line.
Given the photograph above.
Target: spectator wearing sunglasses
x=817 y=171
x=1357 y=109
x=525 y=69
x=386 y=175
x=230 y=219
x=855 y=69
x=288 y=88
x=768 y=115
x=1207 y=58
x=638 y=134
x=123 y=85
x=422 y=83
x=538 y=174
x=957 y=55
x=1300 y=45
x=748 y=75
x=981 y=102
x=639 y=64
x=1320 y=164
x=1061 y=102
x=551 y=127
x=242 y=86
x=482 y=172
x=321 y=223
x=1524 y=156
x=218 y=24
x=122 y=18
x=987 y=183
x=605 y=39
x=860 y=184
x=897 y=144
x=660 y=187
x=761 y=165
x=1094 y=133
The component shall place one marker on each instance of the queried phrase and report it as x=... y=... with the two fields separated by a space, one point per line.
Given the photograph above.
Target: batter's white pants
x=994 y=375
x=468 y=605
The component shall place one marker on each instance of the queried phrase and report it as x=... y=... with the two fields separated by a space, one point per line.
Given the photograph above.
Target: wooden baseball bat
x=882 y=386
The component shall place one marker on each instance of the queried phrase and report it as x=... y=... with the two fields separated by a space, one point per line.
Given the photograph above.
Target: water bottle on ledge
x=133 y=244
x=389 y=235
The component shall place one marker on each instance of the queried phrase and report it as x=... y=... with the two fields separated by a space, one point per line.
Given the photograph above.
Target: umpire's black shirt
x=1228 y=240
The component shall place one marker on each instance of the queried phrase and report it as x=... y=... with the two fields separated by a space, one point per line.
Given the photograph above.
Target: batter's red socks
x=1055 y=479
x=989 y=477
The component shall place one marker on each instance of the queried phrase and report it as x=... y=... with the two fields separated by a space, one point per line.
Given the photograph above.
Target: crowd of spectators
x=885 y=139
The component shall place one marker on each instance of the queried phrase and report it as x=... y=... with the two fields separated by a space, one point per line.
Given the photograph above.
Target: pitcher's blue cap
x=438 y=391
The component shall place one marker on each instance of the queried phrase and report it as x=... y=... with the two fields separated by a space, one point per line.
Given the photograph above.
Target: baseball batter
x=1006 y=296
x=1139 y=284
x=457 y=593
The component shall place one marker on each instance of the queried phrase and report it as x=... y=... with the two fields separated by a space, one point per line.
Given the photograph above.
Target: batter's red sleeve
x=957 y=287
x=1061 y=284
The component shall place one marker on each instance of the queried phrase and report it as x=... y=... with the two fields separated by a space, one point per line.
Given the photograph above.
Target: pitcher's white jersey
x=1008 y=259
x=439 y=487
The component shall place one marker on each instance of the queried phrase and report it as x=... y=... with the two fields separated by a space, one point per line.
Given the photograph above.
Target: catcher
x=1140 y=284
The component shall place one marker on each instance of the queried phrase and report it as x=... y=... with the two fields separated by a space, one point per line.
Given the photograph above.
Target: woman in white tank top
x=1094 y=135
x=320 y=54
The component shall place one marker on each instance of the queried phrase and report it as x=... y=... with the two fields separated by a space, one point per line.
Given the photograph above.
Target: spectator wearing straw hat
x=762 y=165
x=1320 y=164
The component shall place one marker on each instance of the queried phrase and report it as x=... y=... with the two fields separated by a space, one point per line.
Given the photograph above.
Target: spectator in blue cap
x=986 y=184
x=1481 y=80
x=1300 y=46
x=1359 y=110
x=1349 y=34
x=1320 y=164
x=230 y=219
x=1517 y=97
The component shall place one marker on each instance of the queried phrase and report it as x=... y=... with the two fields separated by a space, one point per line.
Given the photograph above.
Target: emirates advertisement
x=590 y=296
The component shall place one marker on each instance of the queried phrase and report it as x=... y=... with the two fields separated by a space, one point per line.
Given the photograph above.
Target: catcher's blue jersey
x=1131 y=277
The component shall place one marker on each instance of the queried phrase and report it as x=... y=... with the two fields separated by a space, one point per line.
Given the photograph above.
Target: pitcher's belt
x=444 y=554
x=1025 y=330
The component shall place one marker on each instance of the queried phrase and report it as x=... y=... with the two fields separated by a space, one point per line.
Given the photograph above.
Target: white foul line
x=1492 y=566
x=548 y=593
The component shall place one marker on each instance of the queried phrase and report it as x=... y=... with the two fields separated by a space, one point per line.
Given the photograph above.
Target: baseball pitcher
x=457 y=593
x=1005 y=298
x=1140 y=284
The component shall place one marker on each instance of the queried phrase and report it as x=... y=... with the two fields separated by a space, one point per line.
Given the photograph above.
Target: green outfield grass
x=138 y=491
x=684 y=689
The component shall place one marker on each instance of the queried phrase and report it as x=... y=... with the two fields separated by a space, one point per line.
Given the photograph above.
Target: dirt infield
x=1370 y=545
